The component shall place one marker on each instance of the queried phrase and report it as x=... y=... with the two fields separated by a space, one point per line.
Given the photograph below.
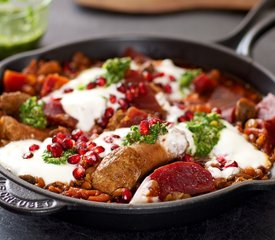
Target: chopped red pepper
x=51 y=83
x=14 y=81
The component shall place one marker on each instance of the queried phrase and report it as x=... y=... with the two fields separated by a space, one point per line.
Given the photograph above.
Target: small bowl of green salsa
x=22 y=25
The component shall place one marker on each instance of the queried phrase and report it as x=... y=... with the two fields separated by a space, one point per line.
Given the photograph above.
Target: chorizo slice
x=174 y=181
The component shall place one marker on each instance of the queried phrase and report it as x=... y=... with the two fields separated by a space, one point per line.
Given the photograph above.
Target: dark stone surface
x=252 y=219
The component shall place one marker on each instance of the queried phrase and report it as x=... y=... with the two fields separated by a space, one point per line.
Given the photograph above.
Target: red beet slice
x=185 y=177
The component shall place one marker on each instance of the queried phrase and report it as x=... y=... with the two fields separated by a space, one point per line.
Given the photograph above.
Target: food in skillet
x=133 y=129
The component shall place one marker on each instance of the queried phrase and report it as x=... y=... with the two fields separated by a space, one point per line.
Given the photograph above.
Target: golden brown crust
x=10 y=102
x=12 y=130
x=124 y=167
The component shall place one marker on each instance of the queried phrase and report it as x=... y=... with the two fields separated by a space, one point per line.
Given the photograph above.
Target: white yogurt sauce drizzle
x=234 y=147
x=11 y=158
x=169 y=68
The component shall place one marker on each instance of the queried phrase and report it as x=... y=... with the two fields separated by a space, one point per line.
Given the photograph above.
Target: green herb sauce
x=116 y=68
x=206 y=130
x=31 y=113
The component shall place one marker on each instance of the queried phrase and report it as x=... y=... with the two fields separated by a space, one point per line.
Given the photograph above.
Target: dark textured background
x=251 y=219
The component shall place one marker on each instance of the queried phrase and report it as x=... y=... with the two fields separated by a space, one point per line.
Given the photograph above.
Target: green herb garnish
x=31 y=113
x=134 y=136
x=187 y=78
x=116 y=68
x=206 y=132
x=48 y=158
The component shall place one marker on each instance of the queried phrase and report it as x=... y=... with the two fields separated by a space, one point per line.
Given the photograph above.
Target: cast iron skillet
x=21 y=197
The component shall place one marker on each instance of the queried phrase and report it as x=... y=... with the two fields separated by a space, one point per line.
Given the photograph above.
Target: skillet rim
x=138 y=208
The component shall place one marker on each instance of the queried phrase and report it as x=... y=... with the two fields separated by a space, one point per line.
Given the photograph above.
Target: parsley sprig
x=134 y=136
x=206 y=132
x=116 y=68
x=48 y=158
x=31 y=113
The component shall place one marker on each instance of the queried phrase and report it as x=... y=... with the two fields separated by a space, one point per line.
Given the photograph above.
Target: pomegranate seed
x=91 y=85
x=181 y=106
x=158 y=74
x=83 y=138
x=188 y=115
x=233 y=164
x=142 y=88
x=126 y=195
x=49 y=147
x=121 y=88
x=144 y=127
x=91 y=158
x=56 y=99
x=133 y=89
x=100 y=81
x=109 y=112
x=129 y=96
x=56 y=150
x=182 y=119
x=102 y=122
x=78 y=173
x=34 y=147
x=74 y=159
x=81 y=150
x=112 y=98
x=148 y=76
x=167 y=88
x=27 y=155
x=153 y=121
x=109 y=139
x=172 y=78
x=115 y=136
x=99 y=149
x=58 y=138
x=217 y=110
x=221 y=160
x=114 y=146
x=68 y=90
x=68 y=143
x=123 y=103
x=187 y=158
x=76 y=134
x=90 y=145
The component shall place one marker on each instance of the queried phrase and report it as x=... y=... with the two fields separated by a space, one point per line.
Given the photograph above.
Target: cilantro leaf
x=31 y=113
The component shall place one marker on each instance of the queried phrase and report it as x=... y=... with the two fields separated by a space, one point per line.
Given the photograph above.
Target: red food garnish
x=101 y=81
x=78 y=173
x=76 y=134
x=34 y=147
x=27 y=155
x=204 y=84
x=68 y=143
x=91 y=158
x=113 y=98
x=144 y=128
x=74 y=159
x=13 y=81
x=51 y=83
x=56 y=150
x=185 y=177
x=99 y=149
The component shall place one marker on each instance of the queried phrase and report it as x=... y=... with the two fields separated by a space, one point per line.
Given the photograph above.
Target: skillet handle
x=233 y=39
x=246 y=45
x=17 y=199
